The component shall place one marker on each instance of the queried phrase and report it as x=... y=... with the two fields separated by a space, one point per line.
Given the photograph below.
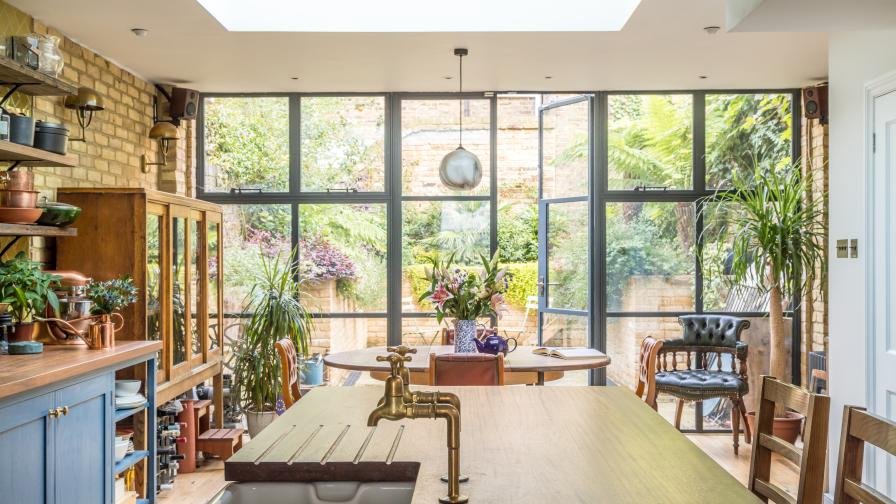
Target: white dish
x=121 y=449
x=130 y=401
x=125 y=388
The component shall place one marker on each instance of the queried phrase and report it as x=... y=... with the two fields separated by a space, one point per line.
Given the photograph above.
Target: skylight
x=421 y=15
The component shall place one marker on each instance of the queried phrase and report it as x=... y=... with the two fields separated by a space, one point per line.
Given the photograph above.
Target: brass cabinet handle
x=63 y=410
x=53 y=413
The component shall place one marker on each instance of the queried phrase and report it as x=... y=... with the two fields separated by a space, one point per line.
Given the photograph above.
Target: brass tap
x=419 y=396
x=394 y=407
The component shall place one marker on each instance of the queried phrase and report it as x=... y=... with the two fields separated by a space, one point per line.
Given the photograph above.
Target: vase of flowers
x=465 y=296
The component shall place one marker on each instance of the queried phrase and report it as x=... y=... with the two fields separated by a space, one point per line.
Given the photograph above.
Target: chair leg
x=748 y=434
x=735 y=424
x=678 y=409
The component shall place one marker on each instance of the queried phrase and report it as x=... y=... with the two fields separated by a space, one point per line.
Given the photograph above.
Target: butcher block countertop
x=21 y=373
x=518 y=444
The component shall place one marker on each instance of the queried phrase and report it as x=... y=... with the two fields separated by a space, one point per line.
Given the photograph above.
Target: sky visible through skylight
x=383 y=16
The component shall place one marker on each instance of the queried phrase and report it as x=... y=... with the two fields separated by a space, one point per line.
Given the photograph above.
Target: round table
x=521 y=365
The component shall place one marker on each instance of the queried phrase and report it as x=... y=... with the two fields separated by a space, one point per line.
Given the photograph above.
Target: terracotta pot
x=787 y=427
x=23 y=332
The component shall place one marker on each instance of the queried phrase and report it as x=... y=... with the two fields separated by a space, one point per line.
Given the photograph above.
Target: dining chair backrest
x=647 y=370
x=860 y=427
x=448 y=334
x=466 y=369
x=810 y=458
x=289 y=371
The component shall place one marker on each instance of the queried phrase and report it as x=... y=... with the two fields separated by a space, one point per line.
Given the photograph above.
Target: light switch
x=842 y=249
x=854 y=248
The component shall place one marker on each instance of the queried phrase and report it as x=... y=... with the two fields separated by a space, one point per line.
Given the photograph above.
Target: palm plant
x=775 y=234
x=277 y=313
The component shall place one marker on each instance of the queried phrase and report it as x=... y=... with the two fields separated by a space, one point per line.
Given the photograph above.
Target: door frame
x=874 y=89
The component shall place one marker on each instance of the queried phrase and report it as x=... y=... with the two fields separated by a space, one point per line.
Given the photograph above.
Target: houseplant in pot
x=277 y=313
x=27 y=290
x=465 y=296
x=108 y=298
x=774 y=234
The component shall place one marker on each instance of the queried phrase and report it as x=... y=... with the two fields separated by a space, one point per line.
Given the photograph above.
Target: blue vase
x=464 y=334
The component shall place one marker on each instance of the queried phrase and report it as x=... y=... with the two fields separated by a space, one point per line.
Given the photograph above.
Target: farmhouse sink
x=330 y=492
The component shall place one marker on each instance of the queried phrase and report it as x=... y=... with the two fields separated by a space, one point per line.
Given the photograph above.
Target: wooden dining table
x=520 y=366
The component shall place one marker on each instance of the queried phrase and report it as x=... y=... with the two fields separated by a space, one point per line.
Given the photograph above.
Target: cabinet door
x=198 y=327
x=180 y=320
x=156 y=258
x=83 y=442
x=26 y=442
x=214 y=271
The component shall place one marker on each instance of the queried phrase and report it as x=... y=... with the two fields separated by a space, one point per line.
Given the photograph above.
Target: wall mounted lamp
x=85 y=103
x=164 y=133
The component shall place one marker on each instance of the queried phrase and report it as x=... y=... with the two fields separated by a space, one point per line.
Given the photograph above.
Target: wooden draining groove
x=272 y=445
x=395 y=445
x=304 y=445
x=326 y=457
x=364 y=446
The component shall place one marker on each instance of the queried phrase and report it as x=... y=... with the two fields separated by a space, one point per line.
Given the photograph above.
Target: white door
x=883 y=380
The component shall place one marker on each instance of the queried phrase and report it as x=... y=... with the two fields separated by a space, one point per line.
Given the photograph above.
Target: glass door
x=565 y=227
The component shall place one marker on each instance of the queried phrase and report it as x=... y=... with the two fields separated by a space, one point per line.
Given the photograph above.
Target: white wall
x=854 y=59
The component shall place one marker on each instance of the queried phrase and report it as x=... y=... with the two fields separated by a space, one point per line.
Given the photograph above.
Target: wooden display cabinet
x=172 y=247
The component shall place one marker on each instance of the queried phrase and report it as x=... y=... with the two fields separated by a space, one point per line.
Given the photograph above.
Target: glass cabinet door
x=179 y=291
x=155 y=238
x=197 y=326
x=214 y=285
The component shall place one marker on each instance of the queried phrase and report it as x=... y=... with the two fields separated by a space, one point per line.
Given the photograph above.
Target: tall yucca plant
x=277 y=313
x=775 y=236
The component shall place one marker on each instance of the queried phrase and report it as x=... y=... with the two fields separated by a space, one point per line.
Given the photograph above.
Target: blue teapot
x=494 y=344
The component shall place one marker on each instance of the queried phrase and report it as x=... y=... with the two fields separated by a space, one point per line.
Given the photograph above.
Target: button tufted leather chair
x=686 y=368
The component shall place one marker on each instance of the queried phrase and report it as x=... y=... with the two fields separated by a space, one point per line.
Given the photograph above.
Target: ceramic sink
x=331 y=492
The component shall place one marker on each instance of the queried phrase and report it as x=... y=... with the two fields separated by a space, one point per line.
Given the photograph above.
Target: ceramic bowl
x=124 y=388
x=121 y=449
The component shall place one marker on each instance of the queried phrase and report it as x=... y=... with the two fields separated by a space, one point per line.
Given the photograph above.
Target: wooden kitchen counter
x=21 y=373
x=518 y=445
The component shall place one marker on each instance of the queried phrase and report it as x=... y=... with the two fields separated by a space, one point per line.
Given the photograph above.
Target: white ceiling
x=662 y=46
x=810 y=15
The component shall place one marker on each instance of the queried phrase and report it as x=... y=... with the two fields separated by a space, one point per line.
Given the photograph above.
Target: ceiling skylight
x=421 y=15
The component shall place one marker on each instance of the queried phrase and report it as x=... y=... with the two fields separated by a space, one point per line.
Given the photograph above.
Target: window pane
x=650 y=256
x=650 y=141
x=741 y=127
x=246 y=143
x=566 y=331
x=429 y=131
x=250 y=232
x=343 y=334
x=421 y=331
x=342 y=257
x=566 y=151
x=439 y=228
x=567 y=256
x=343 y=143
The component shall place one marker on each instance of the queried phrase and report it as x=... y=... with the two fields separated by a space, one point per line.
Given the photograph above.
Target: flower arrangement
x=464 y=295
x=112 y=295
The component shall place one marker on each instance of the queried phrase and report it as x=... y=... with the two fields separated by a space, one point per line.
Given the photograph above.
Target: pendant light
x=460 y=169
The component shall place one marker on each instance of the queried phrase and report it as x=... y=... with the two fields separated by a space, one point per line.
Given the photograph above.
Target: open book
x=568 y=352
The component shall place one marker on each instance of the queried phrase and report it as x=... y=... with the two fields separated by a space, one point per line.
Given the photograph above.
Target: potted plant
x=774 y=234
x=27 y=290
x=108 y=299
x=277 y=313
x=465 y=296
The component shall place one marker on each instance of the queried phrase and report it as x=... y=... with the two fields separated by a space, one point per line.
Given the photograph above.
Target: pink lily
x=440 y=295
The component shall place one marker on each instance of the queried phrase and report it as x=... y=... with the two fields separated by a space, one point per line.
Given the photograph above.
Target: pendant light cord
x=460 y=103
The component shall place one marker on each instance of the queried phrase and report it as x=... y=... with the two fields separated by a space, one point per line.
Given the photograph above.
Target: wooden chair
x=466 y=369
x=810 y=459
x=289 y=372
x=860 y=427
x=647 y=370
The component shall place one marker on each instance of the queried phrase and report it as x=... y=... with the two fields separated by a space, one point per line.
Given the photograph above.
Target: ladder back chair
x=860 y=427
x=289 y=372
x=810 y=458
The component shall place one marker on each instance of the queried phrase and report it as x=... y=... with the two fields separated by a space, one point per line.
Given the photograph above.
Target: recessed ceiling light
x=294 y=78
x=140 y=32
x=702 y=76
x=548 y=77
x=379 y=17
x=712 y=30
x=447 y=77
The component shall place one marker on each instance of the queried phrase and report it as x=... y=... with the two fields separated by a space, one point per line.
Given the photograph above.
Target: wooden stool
x=220 y=442
x=202 y=416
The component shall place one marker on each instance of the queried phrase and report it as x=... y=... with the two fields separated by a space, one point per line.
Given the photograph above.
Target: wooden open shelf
x=31 y=81
x=35 y=230
x=34 y=157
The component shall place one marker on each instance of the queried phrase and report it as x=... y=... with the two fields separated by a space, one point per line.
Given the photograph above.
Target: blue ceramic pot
x=464 y=336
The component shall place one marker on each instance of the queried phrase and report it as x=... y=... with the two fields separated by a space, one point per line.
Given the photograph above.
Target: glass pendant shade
x=460 y=170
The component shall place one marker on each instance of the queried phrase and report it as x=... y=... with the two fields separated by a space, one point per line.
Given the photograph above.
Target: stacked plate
x=127 y=394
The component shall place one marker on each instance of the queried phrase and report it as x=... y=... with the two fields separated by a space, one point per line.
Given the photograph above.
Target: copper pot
x=17 y=180
x=11 y=198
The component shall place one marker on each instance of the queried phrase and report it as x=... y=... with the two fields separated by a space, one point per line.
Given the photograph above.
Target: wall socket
x=848 y=248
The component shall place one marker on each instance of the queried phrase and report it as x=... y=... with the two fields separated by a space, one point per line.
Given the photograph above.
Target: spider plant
x=277 y=313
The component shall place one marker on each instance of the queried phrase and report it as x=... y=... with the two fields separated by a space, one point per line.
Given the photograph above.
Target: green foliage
x=277 y=313
x=522 y=282
x=518 y=233
x=26 y=288
x=112 y=295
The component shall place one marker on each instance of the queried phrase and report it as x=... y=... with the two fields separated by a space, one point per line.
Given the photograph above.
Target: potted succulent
x=465 y=296
x=277 y=313
x=775 y=233
x=108 y=299
x=26 y=290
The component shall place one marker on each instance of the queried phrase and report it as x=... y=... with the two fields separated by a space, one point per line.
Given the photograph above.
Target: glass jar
x=51 y=61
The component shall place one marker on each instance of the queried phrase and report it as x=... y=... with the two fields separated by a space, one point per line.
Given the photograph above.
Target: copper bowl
x=21 y=180
x=20 y=215
x=12 y=198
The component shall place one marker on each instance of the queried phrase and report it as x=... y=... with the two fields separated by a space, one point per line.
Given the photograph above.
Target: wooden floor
x=208 y=480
